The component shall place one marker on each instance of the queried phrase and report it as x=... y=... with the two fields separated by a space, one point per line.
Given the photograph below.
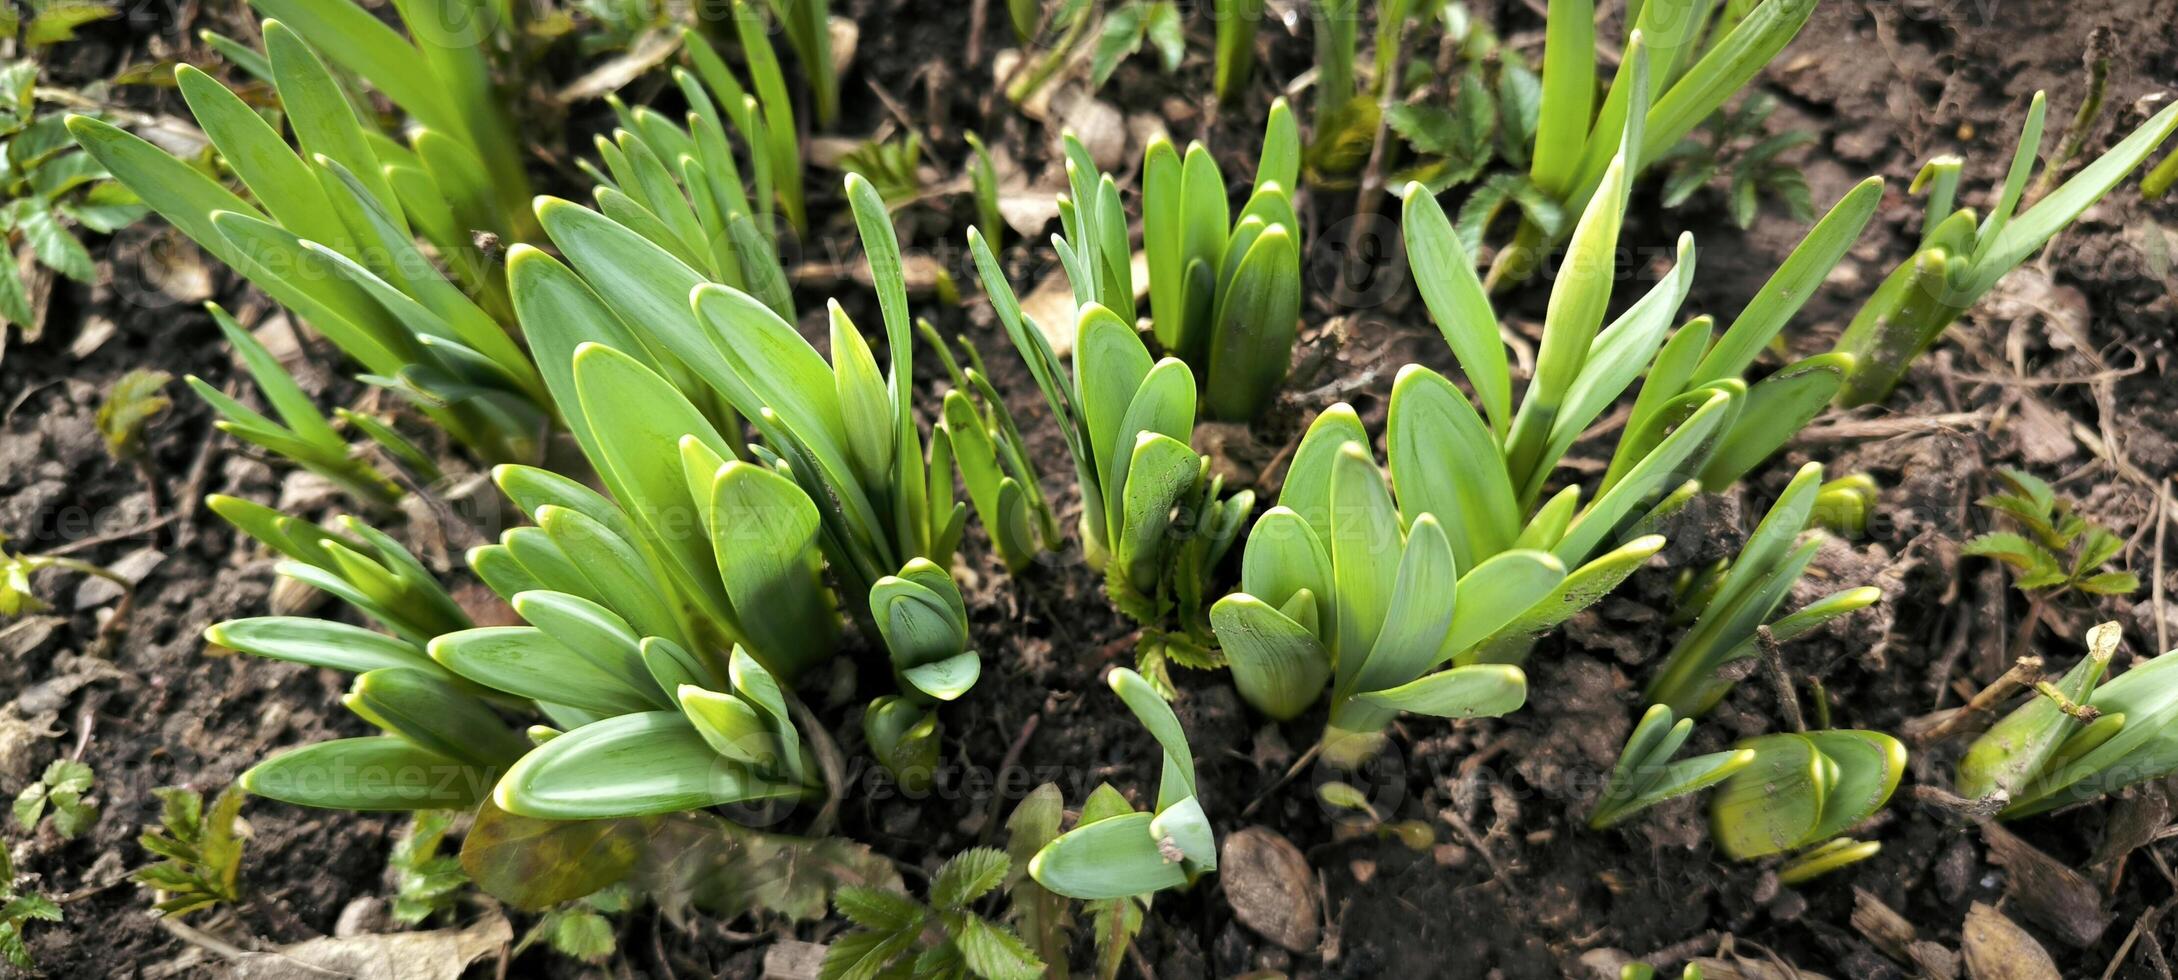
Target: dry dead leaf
x=792 y=959
x=648 y=52
x=846 y=35
x=1100 y=126
x=1998 y=949
x=1270 y=887
x=441 y=954
x=1051 y=304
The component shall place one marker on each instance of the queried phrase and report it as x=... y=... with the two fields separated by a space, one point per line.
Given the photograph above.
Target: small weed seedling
x=201 y=848
x=63 y=788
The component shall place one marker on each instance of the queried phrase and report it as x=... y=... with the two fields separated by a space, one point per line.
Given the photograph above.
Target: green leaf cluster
x=440 y=77
x=895 y=935
x=843 y=432
x=924 y=625
x=201 y=851
x=131 y=404
x=893 y=166
x=681 y=187
x=1344 y=583
x=46 y=183
x=442 y=742
x=333 y=232
x=1744 y=155
x=763 y=117
x=1960 y=258
x=1700 y=55
x=579 y=930
x=425 y=882
x=1647 y=775
x=2054 y=550
x=1153 y=518
x=1126 y=26
x=1225 y=293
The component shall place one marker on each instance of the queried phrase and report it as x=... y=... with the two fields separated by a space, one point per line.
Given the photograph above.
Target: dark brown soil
x=1517 y=886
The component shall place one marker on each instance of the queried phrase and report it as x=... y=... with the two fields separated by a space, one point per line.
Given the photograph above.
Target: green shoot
x=1120 y=853
x=17 y=909
x=132 y=403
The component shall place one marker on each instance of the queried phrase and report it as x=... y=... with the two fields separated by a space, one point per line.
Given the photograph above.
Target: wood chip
x=1889 y=932
x=2045 y=891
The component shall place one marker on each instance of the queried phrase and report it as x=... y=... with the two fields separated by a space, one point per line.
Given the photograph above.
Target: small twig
x=192 y=492
x=1140 y=962
x=206 y=941
x=2099 y=44
x=2145 y=924
x=829 y=762
x=2081 y=712
x=1976 y=811
x=893 y=107
x=2024 y=671
x=1773 y=664
x=86 y=544
x=978 y=14
x=1856 y=430
x=1011 y=759
x=1474 y=840
x=2155 y=590
x=1291 y=771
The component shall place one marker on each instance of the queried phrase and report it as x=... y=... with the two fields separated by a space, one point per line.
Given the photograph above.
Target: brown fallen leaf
x=1271 y=888
x=2135 y=822
x=1051 y=304
x=1998 y=949
x=791 y=959
x=441 y=954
